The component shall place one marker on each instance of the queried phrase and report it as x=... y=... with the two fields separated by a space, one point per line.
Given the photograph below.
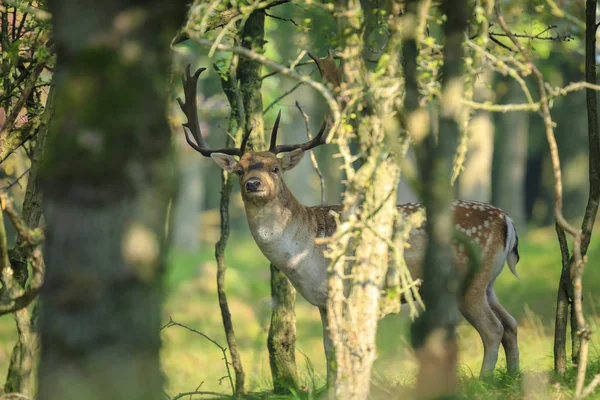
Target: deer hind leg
x=477 y=311
x=509 y=339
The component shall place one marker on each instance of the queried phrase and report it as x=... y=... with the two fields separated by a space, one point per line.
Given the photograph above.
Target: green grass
x=190 y=361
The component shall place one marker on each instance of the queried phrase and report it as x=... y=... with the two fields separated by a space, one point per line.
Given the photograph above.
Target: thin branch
x=313 y=159
x=283 y=19
x=549 y=95
x=202 y=393
x=15 y=182
x=327 y=95
x=223 y=349
x=273 y=73
x=538 y=36
x=277 y=100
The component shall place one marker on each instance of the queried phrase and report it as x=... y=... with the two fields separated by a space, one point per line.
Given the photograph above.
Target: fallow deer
x=285 y=231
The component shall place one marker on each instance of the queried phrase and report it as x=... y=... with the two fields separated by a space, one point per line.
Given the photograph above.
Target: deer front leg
x=328 y=345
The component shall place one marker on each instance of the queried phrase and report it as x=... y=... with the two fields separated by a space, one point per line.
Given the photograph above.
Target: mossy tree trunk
x=22 y=361
x=236 y=124
x=360 y=252
x=107 y=177
x=434 y=332
x=281 y=341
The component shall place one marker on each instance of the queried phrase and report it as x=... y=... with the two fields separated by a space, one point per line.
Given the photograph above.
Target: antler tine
x=273 y=146
x=318 y=140
x=190 y=109
x=245 y=141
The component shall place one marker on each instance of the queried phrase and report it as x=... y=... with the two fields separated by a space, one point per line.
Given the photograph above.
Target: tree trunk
x=360 y=252
x=22 y=361
x=282 y=333
x=107 y=178
x=434 y=332
x=353 y=305
x=510 y=159
x=282 y=355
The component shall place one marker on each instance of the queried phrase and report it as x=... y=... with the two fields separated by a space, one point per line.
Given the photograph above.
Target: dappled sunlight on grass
x=190 y=359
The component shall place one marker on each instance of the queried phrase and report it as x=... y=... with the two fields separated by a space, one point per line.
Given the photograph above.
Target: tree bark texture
x=282 y=333
x=236 y=361
x=281 y=341
x=107 y=177
x=22 y=361
x=434 y=332
x=235 y=128
x=360 y=257
x=562 y=306
x=252 y=36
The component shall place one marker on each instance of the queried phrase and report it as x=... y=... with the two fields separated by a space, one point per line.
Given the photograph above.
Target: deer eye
x=239 y=172
x=275 y=170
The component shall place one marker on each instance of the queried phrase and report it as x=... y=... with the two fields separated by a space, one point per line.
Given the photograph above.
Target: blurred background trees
x=506 y=160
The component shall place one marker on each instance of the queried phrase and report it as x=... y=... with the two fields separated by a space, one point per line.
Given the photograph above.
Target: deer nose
x=252 y=184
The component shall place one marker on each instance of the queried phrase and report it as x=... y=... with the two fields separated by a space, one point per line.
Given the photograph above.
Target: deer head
x=259 y=172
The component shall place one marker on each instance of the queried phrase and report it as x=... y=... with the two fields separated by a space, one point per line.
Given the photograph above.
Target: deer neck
x=274 y=221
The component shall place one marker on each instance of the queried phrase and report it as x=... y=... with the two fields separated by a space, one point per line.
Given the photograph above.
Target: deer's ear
x=224 y=161
x=291 y=159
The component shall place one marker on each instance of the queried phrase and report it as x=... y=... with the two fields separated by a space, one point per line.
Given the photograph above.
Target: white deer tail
x=511 y=249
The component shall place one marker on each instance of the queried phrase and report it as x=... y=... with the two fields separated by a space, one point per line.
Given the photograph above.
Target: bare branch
x=313 y=159
x=172 y=323
x=277 y=100
x=16 y=181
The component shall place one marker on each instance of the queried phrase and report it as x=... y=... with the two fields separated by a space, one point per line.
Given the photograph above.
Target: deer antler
x=314 y=142
x=192 y=126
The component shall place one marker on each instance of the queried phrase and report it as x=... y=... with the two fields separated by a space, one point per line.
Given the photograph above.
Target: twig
x=223 y=349
x=202 y=393
x=283 y=19
x=313 y=159
x=537 y=36
x=292 y=90
x=327 y=95
x=535 y=106
x=16 y=181
x=270 y=74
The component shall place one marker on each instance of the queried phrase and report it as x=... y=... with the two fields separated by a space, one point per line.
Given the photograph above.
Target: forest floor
x=191 y=362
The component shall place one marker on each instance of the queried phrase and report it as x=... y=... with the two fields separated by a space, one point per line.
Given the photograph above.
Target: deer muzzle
x=253 y=185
